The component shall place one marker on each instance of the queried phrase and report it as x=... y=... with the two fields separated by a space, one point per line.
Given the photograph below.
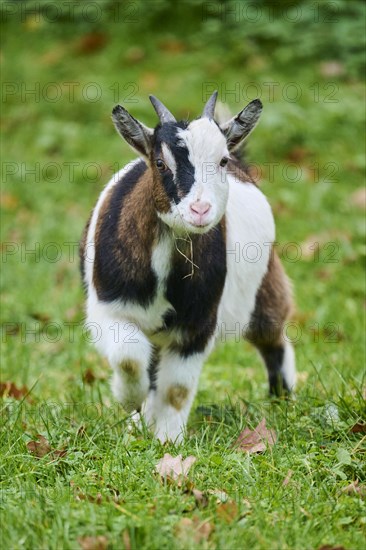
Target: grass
x=53 y=502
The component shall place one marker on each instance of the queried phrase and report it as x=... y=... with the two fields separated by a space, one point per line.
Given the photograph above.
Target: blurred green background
x=64 y=66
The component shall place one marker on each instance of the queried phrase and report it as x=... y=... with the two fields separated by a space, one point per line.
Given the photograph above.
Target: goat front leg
x=128 y=352
x=169 y=402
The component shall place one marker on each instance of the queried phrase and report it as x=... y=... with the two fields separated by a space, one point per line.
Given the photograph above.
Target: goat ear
x=134 y=132
x=237 y=128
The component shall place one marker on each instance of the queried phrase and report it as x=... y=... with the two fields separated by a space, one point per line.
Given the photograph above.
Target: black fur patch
x=153 y=367
x=273 y=357
x=185 y=176
x=117 y=274
x=195 y=299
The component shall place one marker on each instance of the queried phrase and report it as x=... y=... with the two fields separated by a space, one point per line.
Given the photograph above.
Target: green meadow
x=91 y=482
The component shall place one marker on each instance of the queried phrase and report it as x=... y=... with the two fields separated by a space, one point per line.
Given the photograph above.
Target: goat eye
x=224 y=161
x=160 y=164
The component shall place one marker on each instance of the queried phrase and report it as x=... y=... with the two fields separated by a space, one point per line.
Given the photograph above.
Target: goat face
x=188 y=161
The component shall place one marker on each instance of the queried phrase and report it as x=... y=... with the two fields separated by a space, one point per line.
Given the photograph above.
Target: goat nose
x=200 y=207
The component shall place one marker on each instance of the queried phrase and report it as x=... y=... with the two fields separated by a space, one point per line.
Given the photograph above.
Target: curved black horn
x=161 y=110
x=209 y=109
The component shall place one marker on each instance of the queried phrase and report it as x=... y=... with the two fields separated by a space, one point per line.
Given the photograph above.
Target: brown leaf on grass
x=257 y=440
x=93 y=543
x=193 y=529
x=91 y=43
x=358 y=428
x=228 y=511
x=174 y=467
x=9 y=389
x=355 y=489
x=331 y=547
x=358 y=198
x=41 y=447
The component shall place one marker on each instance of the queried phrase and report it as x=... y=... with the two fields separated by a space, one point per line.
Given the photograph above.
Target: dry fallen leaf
x=228 y=511
x=193 y=529
x=358 y=428
x=41 y=447
x=9 y=389
x=330 y=547
x=90 y=43
x=93 y=543
x=258 y=440
x=174 y=467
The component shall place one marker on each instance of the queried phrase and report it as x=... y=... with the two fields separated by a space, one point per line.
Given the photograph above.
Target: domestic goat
x=167 y=266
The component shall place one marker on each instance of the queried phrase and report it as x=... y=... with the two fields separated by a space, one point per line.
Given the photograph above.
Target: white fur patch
x=250 y=232
x=288 y=369
x=204 y=141
x=160 y=415
x=206 y=147
x=169 y=158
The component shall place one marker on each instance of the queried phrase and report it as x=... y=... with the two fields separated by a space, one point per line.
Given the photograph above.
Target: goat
x=158 y=264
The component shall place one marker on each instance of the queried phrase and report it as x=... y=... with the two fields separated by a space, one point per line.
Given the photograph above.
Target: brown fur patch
x=236 y=169
x=160 y=198
x=177 y=395
x=273 y=306
x=136 y=218
x=130 y=368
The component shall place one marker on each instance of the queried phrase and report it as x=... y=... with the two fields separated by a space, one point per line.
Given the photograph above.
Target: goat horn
x=163 y=113
x=209 y=109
